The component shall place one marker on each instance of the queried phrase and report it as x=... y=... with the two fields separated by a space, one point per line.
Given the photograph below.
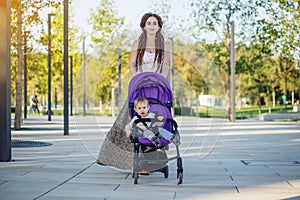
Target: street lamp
x=5 y=117
x=232 y=68
x=66 y=55
x=25 y=74
x=49 y=65
x=172 y=63
x=172 y=68
x=71 y=85
x=83 y=76
x=119 y=78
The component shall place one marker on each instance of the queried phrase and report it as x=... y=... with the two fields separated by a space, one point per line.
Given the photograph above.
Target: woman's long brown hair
x=159 y=41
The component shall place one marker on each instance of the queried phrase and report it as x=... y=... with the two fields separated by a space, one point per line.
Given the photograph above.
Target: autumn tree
x=57 y=40
x=108 y=34
x=279 y=31
x=24 y=14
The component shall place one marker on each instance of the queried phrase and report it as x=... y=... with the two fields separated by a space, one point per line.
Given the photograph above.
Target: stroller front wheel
x=166 y=171
x=179 y=178
x=135 y=177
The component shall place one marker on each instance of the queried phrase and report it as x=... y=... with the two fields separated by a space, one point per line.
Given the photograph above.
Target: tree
x=214 y=17
x=279 y=29
x=24 y=13
x=108 y=34
x=254 y=67
x=57 y=39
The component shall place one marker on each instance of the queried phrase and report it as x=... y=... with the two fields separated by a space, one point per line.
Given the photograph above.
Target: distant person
x=35 y=104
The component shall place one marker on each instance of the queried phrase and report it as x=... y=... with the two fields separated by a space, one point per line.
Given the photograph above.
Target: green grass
x=287 y=120
x=254 y=110
x=243 y=113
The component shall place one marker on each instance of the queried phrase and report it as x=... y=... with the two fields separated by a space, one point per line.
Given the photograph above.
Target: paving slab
x=242 y=160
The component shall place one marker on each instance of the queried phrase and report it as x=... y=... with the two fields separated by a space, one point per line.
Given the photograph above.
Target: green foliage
x=279 y=27
x=108 y=34
x=214 y=17
x=270 y=25
x=108 y=28
x=57 y=42
x=265 y=62
x=30 y=17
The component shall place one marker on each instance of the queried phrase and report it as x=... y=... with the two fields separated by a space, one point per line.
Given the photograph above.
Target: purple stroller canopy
x=150 y=85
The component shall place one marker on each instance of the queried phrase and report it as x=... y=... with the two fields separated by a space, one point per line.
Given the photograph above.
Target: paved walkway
x=241 y=160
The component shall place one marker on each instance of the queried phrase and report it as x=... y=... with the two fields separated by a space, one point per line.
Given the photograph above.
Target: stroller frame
x=143 y=152
x=140 y=150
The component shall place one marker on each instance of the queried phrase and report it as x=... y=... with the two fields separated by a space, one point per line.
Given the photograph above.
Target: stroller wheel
x=135 y=176
x=179 y=178
x=166 y=171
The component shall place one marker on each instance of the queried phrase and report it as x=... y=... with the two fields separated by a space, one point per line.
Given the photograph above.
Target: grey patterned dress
x=117 y=150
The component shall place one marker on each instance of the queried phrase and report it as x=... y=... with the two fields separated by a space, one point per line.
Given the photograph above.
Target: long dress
x=116 y=150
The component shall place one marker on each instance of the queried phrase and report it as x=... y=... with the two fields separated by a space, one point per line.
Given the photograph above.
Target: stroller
x=147 y=157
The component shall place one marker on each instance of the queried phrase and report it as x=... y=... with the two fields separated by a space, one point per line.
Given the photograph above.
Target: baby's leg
x=148 y=134
x=151 y=136
x=165 y=133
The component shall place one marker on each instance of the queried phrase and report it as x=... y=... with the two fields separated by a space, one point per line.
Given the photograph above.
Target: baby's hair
x=139 y=100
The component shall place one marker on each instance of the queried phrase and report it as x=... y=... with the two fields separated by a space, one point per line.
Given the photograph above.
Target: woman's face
x=151 y=25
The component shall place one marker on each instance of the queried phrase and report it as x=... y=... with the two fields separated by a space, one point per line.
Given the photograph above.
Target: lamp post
x=66 y=63
x=172 y=69
x=25 y=74
x=232 y=68
x=49 y=65
x=172 y=63
x=71 y=85
x=83 y=77
x=5 y=117
x=119 y=78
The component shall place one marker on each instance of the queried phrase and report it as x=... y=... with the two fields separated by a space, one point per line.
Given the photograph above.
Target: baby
x=141 y=106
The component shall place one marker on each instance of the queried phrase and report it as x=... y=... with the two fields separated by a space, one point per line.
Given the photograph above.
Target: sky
x=132 y=10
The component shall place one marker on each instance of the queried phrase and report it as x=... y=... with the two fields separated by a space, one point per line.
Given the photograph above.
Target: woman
x=148 y=54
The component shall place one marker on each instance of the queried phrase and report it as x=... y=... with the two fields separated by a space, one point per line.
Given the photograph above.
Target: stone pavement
x=221 y=160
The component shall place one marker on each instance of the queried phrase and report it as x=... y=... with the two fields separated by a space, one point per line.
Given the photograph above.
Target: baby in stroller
x=152 y=128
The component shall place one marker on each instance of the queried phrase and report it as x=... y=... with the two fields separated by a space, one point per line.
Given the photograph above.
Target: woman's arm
x=166 y=62
x=133 y=56
x=128 y=128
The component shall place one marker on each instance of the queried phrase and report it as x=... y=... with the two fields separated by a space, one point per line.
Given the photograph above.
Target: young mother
x=149 y=54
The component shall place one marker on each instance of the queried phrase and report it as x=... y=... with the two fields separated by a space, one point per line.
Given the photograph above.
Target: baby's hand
x=128 y=132
x=160 y=118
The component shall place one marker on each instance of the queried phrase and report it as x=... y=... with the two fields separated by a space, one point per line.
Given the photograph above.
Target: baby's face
x=142 y=109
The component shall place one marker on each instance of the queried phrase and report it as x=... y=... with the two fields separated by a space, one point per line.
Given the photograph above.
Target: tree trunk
x=259 y=98
x=18 y=110
x=227 y=98
x=112 y=98
x=228 y=94
x=117 y=150
x=293 y=97
x=273 y=98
